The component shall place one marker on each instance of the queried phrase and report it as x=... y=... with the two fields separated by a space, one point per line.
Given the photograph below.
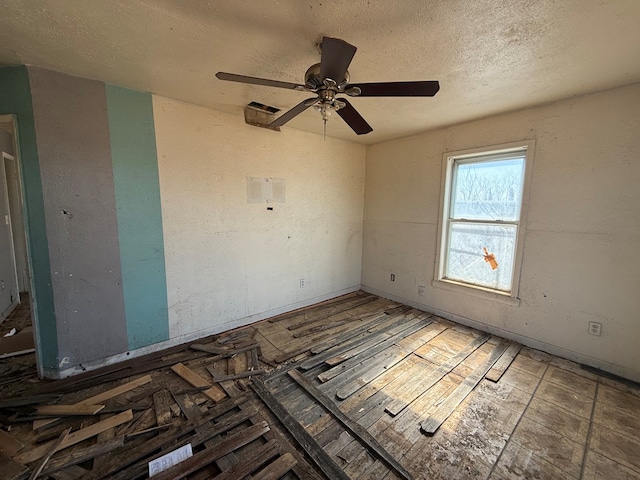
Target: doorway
x=15 y=284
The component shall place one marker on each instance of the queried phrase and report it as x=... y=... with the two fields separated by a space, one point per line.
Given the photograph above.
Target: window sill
x=479 y=292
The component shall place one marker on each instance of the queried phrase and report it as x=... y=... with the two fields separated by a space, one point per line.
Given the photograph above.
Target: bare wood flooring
x=357 y=387
x=545 y=417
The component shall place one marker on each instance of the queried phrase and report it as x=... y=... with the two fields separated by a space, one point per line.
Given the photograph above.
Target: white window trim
x=445 y=197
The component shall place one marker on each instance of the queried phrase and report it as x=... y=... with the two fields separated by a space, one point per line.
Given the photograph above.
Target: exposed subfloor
x=370 y=388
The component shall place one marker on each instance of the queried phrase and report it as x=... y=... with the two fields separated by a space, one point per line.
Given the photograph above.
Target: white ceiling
x=490 y=56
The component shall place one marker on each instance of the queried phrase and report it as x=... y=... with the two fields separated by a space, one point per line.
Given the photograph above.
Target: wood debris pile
x=112 y=422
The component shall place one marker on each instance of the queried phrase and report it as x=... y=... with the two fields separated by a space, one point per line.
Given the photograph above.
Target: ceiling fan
x=330 y=78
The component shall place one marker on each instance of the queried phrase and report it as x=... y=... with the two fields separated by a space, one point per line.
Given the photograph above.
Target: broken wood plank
x=426 y=381
x=354 y=427
x=101 y=397
x=306 y=441
x=301 y=469
x=9 y=445
x=331 y=342
x=503 y=363
x=351 y=381
x=358 y=355
x=144 y=420
x=236 y=376
x=277 y=469
x=53 y=449
x=379 y=336
x=446 y=408
x=307 y=321
x=321 y=328
x=266 y=452
x=68 y=410
x=316 y=306
x=199 y=460
x=224 y=352
x=214 y=392
x=82 y=455
x=134 y=460
x=74 y=472
x=209 y=349
x=28 y=400
x=76 y=437
x=289 y=354
x=162 y=406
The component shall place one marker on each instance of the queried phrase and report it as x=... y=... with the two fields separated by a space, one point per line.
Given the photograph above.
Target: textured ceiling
x=490 y=56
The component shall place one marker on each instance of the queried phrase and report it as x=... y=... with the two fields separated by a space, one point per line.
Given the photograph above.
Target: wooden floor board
x=524 y=414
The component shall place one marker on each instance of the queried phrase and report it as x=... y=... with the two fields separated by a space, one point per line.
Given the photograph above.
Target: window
x=482 y=212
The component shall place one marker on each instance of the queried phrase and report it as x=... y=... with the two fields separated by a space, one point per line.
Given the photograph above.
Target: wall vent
x=260 y=115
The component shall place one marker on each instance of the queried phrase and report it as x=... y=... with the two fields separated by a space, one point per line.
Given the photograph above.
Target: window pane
x=465 y=262
x=488 y=190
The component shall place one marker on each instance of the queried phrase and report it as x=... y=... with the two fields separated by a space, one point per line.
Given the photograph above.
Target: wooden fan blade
x=427 y=88
x=351 y=116
x=232 y=77
x=297 y=110
x=336 y=57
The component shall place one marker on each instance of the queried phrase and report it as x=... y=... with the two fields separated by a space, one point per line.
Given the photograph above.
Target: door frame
x=6 y=156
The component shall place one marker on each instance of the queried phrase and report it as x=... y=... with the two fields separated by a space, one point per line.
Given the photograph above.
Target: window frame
x=482 y=154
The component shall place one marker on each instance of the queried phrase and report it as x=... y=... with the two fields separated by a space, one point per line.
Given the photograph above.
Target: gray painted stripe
x=75 y=161
x=137 y=187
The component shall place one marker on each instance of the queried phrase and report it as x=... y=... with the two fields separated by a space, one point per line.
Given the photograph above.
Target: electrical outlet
x=595 y=328
x=393 y=277
x=302 y=283
x=1 y=284
x=421 y=290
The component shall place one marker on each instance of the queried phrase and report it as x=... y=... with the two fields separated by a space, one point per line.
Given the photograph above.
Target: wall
x=148 y=235
x=582 y=246
x=230 y=261
x=15 y=99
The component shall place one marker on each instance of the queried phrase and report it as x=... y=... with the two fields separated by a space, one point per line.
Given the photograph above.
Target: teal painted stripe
x=15 y=98
x=139 y=216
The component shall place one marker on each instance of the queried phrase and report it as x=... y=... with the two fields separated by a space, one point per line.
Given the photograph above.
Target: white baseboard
x=240 y=322
x=618 y=370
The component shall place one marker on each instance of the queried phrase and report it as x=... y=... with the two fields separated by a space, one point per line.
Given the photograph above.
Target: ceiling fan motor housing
x=313 y=80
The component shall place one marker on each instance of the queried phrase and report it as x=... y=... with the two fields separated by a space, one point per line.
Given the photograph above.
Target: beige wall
x=582 y=246
x=230 y=262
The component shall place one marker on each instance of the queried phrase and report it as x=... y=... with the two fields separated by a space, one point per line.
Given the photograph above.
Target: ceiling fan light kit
x=330 y=78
